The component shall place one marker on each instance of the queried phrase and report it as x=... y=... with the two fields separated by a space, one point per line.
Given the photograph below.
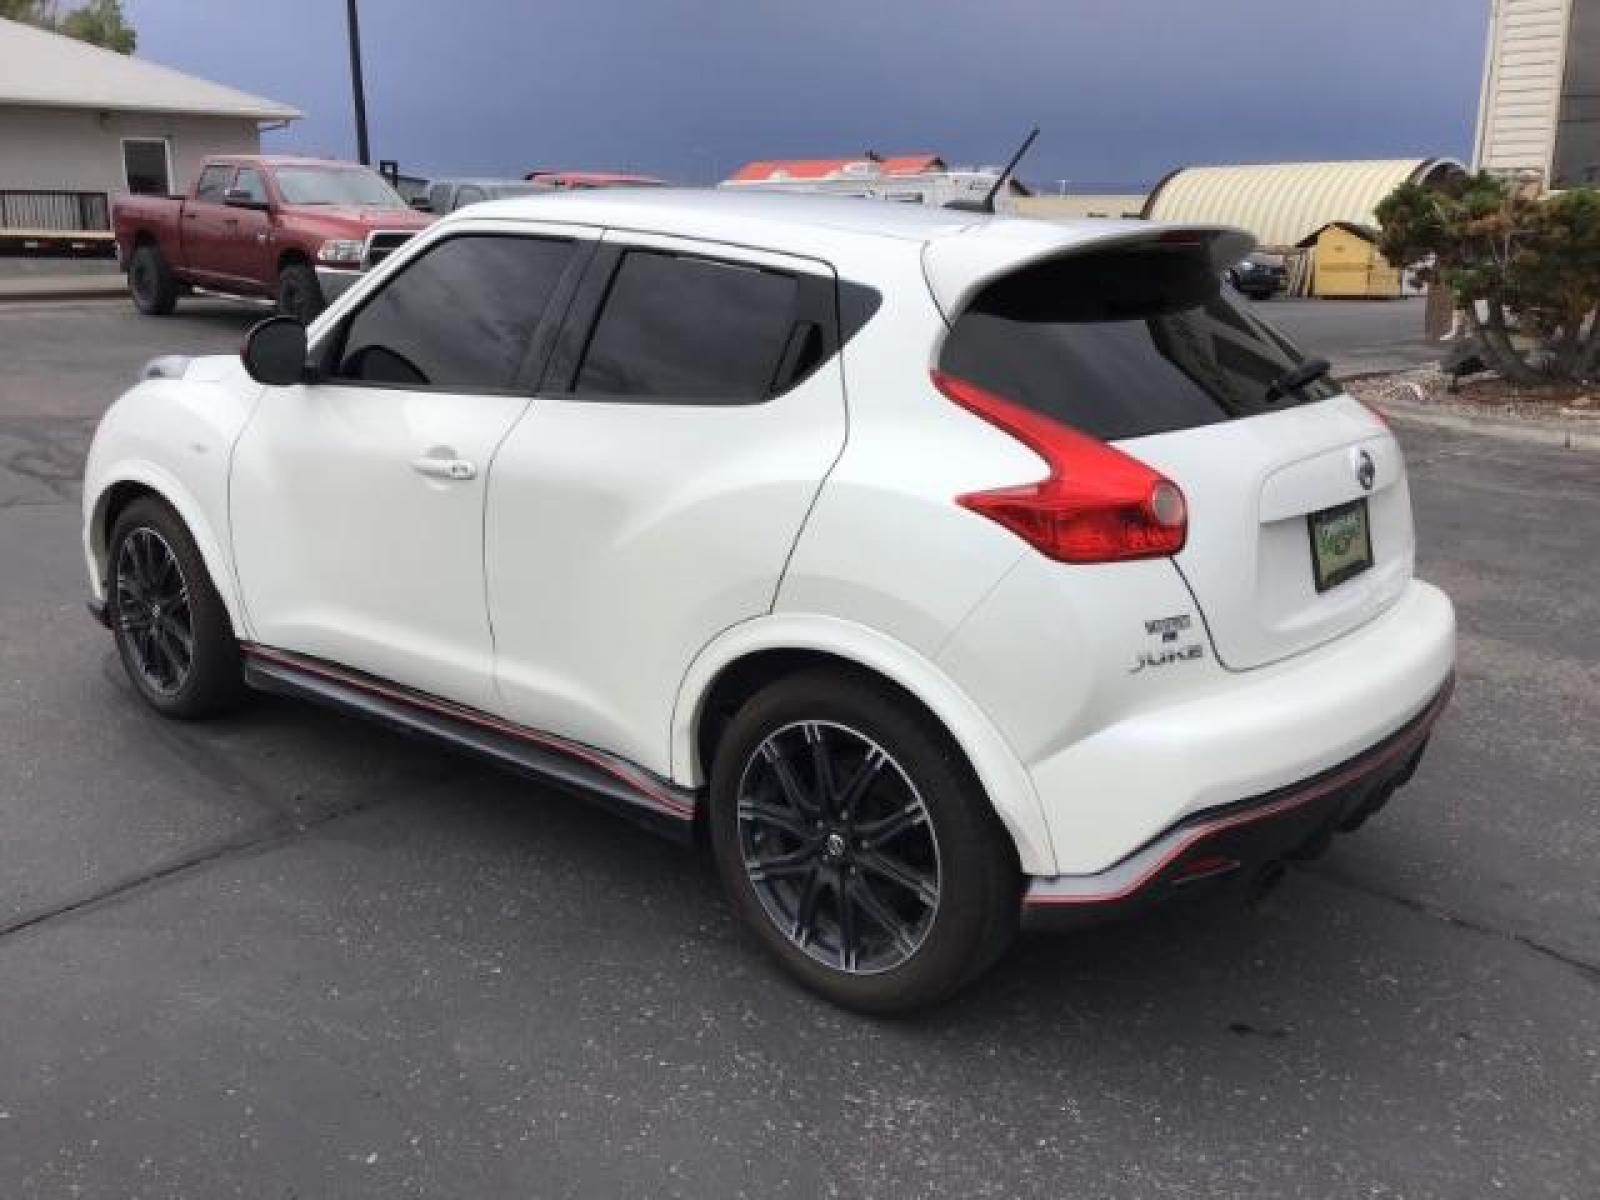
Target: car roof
x=959 y=250
x=708 y=212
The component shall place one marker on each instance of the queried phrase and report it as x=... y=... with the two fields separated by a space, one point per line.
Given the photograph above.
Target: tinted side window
x=461 y=316
x=1123 y=344
x=690 y=329
x=213 y=184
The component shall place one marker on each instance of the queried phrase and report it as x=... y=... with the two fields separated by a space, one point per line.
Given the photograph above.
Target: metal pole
x=362 y=153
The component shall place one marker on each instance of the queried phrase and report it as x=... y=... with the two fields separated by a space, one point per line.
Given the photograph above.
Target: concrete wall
x=80 y=150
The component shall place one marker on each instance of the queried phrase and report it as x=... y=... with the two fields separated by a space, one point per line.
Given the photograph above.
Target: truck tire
x=150 y=282
x=299 y=293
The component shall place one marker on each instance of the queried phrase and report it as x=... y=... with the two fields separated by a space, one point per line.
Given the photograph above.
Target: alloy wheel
x=152 y=612
x=839 y=847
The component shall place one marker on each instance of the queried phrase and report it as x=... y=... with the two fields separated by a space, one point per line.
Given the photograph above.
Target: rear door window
x=692 y=330
x=1123 y=344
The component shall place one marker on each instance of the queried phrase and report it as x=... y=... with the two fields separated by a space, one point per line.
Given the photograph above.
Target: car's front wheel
x=853 y=838
x=171 y=627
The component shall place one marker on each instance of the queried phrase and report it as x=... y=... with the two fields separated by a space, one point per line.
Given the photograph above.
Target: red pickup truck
x=293 y=230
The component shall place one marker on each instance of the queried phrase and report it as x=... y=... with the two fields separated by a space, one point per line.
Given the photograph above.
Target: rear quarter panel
x=154 y=217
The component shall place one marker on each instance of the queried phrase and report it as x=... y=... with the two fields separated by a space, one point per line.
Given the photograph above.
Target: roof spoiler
x=958 y=267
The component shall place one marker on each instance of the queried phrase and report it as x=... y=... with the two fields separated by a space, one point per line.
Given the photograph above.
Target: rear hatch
x=1299 y=525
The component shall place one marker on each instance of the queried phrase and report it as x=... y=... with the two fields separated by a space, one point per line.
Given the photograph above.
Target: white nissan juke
x=944 y=572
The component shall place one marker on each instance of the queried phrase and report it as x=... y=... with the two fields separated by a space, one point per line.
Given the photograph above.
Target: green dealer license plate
x=1341 y=544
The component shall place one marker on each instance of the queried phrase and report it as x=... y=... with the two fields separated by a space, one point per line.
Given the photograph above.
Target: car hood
x=351 y=220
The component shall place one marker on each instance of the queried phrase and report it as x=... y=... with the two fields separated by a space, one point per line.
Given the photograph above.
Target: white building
x=79 y=125
x=1540 y=109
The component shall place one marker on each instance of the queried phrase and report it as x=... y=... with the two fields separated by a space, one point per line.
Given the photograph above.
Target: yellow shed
x=1346 y=262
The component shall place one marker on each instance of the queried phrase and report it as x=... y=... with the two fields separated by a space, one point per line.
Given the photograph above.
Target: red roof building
x=779 y=170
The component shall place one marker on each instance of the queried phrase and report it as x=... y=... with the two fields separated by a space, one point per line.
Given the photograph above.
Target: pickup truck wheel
x=154 y=290
x=299 y=293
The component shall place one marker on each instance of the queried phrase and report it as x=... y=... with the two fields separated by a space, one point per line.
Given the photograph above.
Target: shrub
x=1516 y=253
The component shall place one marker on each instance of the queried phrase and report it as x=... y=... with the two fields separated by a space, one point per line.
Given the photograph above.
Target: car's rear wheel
x=299 y=293
x=171 y=627
x=150 y=282
x=855 y=841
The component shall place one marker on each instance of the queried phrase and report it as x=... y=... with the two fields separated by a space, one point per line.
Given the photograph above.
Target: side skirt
x=622 y=786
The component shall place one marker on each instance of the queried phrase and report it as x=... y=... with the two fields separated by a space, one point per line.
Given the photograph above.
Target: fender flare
x=1005 y=780
x=166 y=485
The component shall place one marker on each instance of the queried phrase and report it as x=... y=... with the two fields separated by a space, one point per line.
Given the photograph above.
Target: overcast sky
x=1125 y=90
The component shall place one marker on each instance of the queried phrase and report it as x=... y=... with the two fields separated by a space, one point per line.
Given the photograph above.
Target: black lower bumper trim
x=1237 y=842
x=99 y=611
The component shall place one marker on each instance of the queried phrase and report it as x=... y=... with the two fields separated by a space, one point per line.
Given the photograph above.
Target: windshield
x=336 y=185
x=1124 y=344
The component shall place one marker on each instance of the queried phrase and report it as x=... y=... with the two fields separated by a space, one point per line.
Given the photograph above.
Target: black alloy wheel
x=856 y=843
x=152 y=611
x=837 y=844
x=172 y=630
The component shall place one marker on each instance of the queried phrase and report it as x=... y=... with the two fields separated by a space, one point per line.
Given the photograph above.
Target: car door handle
x=444 y=468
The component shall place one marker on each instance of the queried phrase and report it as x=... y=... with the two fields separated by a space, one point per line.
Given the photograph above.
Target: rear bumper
x=1238 y=842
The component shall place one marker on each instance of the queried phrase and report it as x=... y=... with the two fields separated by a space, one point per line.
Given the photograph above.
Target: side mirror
x=422 y=204
x=274 y=352
x=239 y=198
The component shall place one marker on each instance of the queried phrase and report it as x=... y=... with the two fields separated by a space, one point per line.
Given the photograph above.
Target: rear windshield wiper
x=1296 y=378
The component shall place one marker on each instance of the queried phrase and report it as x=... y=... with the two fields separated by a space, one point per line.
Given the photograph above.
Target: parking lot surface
x=288 y=954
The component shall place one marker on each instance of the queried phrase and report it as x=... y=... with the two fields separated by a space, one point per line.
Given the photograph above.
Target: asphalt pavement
x=291 y=955
x=1360 y=337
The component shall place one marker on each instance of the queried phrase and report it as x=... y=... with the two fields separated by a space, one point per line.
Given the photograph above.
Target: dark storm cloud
x=1124 y=89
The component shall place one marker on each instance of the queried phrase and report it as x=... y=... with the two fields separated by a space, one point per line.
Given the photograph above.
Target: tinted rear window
x=690 y=329
x=1123 y=344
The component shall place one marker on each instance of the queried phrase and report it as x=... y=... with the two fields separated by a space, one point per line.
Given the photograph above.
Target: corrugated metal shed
x=1282 y=203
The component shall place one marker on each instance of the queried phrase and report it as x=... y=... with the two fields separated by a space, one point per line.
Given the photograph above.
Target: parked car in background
x=295 y=231
x=444 y=196
x=1260 y=276
x=581 y=180
x=1071 y=590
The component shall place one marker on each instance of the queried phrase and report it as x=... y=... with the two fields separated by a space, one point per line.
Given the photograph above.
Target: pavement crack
x=274 y=833
x=1585 y=968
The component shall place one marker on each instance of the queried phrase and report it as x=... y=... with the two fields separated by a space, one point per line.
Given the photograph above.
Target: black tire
x=150 y=282
x=780 y=861
x=164 y=609
x=299 y=293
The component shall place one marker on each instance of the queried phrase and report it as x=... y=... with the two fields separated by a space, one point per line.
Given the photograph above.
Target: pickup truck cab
x=295 y=231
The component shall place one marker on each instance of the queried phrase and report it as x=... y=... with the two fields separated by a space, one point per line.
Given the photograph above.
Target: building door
x=147 y=166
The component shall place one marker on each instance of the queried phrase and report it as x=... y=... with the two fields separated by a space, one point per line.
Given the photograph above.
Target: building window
x=1577 y=153
x=145 y=165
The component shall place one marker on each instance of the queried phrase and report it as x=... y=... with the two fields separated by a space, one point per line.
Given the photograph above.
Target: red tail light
x=1097 y=505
